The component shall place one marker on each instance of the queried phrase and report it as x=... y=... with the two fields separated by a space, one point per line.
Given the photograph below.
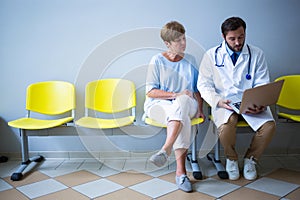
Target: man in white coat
x=229 y=69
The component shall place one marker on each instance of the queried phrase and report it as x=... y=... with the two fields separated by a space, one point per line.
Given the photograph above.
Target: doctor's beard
x=235 y=48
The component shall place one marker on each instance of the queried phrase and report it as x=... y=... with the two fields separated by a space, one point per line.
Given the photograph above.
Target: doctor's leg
x=227 y=136
x=261 y=140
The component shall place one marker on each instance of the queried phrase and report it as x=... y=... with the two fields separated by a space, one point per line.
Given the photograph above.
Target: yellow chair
x=191 y=157
x=110 y=96
x=288 y=104
x=53 y=103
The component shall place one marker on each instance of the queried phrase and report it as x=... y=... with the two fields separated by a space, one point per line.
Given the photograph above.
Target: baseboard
x=126 y=154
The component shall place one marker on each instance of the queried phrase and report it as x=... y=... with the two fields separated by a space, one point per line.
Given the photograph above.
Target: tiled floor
x=135 y=179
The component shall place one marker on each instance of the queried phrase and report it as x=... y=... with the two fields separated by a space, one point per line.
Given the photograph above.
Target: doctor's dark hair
x=231 y=24
x=171 y=31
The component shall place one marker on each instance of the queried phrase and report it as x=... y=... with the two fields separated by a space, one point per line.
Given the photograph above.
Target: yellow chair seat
x=35 y=124
x=241 y=123
x=290 y=116
x=91 y=122
x=155 y=123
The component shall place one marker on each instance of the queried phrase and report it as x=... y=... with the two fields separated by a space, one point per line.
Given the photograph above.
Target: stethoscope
x=248 y=76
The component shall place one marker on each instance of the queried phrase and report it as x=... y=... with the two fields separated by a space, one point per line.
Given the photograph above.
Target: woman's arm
x=161 y=94
x=200 y=105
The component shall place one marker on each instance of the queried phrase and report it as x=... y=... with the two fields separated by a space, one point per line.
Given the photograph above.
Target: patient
x=173 y=98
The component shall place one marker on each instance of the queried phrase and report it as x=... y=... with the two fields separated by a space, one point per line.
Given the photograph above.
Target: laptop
x=264 y=95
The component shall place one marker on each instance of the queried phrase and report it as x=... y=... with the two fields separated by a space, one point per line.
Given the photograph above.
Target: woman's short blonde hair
x=172 y=31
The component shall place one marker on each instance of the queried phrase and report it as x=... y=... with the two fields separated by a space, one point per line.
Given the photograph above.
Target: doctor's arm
x=205 y=84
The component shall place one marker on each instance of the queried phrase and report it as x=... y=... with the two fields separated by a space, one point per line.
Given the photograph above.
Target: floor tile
x=178 y=194
x=154 y=187
x=91 y=164
x=104 y=171
x=64 y=194
x=129 y=178
x=57 y=172
x=286 y=175
x=241 y=181
x=294 y=195
x=98 y=188
x=80 y=179
x=41 y=188
x=50 y=164
x=124 y=194
x=208 y=186
x=116 y=164
x=70 y=164
x=8 y=168
x=77 y=178
x=33 y=177
x=136 y=165
x=249 y=194
x=4 y=185
x=272 y=186
x=13 y=194
x=170 y=177
x=160 y=172
x=207 y=167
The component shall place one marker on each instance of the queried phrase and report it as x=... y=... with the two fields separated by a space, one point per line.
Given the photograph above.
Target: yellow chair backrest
x=110 y=95
x=290 y=92
x=50 y=97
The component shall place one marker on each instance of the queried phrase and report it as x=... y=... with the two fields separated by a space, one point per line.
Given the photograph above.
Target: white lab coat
x=216 y=83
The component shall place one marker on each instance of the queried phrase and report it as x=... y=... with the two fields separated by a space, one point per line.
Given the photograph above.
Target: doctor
x=229 y=69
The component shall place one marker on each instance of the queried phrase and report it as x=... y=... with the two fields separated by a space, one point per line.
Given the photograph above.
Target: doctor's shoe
x=249 y=169
x=183 y=183
x=232 y=168
x=160 y=158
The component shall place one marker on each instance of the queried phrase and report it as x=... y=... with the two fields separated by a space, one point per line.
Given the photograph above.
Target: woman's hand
x=185 y=92
x=200 y=114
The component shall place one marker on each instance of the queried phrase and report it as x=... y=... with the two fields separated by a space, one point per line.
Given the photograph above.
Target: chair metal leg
x=215 y=158
x=3 y=159
x=16 y=176
x=192 y=158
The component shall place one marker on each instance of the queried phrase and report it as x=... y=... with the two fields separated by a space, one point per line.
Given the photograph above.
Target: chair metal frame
x=49 y=98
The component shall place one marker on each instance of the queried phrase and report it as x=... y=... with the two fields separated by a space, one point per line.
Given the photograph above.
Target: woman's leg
x=173 y=129
x=180 y=155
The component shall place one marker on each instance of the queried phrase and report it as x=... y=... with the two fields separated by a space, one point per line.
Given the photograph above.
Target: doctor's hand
x=255 y=109
x=224 y=104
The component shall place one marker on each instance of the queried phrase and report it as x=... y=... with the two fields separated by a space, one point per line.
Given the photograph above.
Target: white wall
x=82 y=40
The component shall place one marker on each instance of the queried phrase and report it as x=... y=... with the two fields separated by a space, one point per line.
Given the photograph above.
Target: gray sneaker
x=160 y=158
x=183 y=183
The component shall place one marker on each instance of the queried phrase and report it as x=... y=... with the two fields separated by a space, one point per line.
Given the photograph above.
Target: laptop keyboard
x=237 y=105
